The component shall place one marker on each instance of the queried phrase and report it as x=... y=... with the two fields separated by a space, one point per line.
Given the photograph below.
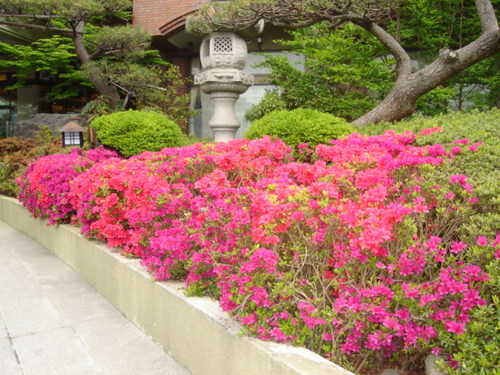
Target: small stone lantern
x=72 y=133
x=223 y=56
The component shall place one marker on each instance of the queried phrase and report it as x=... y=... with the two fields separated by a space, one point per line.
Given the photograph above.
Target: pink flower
x=456 y=150
x=482 y=241
x=249 y=320
x=475 y=146
x=457 y=247
x=458 y=179
x=449 y=196
x=327 y=336
x=279 y=335
x=463 y=141
x=436 y=351
x=428 y=131
x=455 y=327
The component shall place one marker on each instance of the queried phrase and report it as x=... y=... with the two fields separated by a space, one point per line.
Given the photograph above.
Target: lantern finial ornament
x=223 y=56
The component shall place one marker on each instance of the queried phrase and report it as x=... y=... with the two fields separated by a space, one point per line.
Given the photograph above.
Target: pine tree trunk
x=107 y=90
x=400 y=102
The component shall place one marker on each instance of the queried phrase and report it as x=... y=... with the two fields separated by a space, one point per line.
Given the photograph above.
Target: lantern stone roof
x=72 y=126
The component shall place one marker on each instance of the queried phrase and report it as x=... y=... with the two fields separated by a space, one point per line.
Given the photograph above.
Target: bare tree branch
x=57 y=30
x=31 y=16
x=403 y=61
x=486 y=15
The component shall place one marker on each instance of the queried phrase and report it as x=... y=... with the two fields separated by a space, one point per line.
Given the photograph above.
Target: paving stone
x=31 y=315
x=14 y=285
x=64 y=284
x=17 y=242
x=43 y=264
x=83 y=306
x=52 y=322
x=6 y=230
x=3 y=328
x=10 y=267
x=55 y=352
x=9 y=364
x=111 y=339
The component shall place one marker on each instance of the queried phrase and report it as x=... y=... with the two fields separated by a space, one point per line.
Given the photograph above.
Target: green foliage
x=55 y=56
x=425 y=24
x=191 y=139
x=479 y=85
x=144 y=86
x=85 y=10
x=300 y=126
x=435 y=101
x=477 y=350
x=132 y=132
x=16 y=154
x=97 y=107
x=270 y=102
x=340 y=69
x=347 y=71
x=119 y=42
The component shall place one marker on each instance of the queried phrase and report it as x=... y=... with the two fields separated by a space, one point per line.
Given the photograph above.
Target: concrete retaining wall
x=195 y=331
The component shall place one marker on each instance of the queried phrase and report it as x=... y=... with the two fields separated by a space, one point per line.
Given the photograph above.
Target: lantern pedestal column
x=224 y=87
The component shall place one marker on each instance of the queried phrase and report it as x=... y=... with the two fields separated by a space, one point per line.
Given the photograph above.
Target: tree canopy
x=342 y=72
x=381 y=19
x=93 y=41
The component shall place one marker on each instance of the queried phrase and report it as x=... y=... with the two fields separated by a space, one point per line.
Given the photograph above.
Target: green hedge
x=300 y=126
x=481 y=167
x=133 y=132
x=477 y=350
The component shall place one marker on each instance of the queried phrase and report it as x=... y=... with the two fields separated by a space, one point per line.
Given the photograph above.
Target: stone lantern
x=223 y=56
x=72 y=133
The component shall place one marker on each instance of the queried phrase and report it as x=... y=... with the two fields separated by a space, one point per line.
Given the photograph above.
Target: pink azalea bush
x=353 y=255
x=44 y=186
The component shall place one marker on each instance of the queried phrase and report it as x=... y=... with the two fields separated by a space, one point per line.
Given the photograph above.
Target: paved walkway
x=53 y=323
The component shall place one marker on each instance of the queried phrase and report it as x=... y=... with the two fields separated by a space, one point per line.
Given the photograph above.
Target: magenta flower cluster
x=347 y=254
x=44 y=186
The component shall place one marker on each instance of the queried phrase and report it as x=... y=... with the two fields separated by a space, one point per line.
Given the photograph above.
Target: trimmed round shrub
x=300 y=126
x=133 y=132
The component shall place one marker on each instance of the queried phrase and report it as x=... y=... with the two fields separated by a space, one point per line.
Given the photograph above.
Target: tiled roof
x=161 y=17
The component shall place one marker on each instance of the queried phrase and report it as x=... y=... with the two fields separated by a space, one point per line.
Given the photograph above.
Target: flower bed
x=352 y=255
x=44 y=187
